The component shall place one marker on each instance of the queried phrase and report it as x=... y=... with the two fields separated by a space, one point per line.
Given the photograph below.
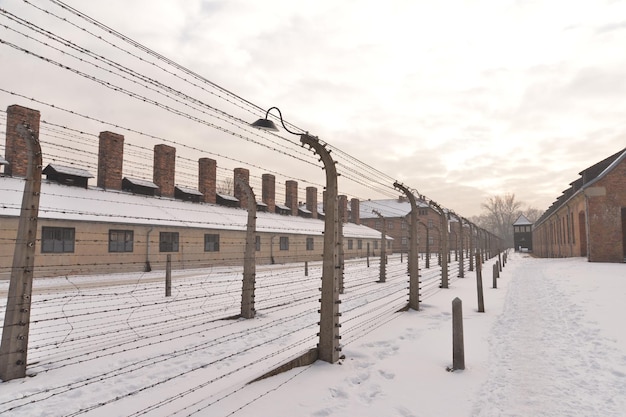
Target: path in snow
x=546 y=357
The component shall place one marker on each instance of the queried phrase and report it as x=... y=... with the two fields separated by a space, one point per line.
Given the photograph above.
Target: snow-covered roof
x=3 y=161
x=522 y=221
x=187 y=190
x=60 y=202
x=387 y=208
x=141 y=183
x=282 y=207
x=61 y=169
x=227 y=197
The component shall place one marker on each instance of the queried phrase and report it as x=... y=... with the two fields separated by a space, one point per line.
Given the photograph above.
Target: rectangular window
x=284 y=243
x=404 y=224
x=57 y=239
x=211 y=243
x=423 y=212
x=359 y=244
x=405 y=241
x=431 y=240
x=378 y=224
x=121 y=240
x=350 y=244
x=375 y=244
x=389 y=225
x=430 y=223
x=309 y=243
x=168 y=242
x=257 y=243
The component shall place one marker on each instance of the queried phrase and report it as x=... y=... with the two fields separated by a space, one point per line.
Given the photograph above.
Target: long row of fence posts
x=458 y=347
x=14 y=348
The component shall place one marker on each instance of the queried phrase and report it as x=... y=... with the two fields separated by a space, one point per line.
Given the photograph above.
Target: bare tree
x=227 y=187
x=532 y=213
x=500 y=212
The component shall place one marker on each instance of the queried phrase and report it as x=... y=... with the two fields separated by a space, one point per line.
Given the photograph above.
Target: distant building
x=589 y=218
x=396 y=212
x=522 y=234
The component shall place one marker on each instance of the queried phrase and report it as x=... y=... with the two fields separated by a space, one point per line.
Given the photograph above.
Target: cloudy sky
x=457 y=99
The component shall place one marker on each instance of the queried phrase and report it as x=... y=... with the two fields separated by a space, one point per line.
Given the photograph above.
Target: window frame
x=211 y=242
x=283 y=243
x=66 y=246
x=173 y=243
x=121 y=246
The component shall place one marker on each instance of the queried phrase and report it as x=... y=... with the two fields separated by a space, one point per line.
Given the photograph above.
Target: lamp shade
x=265 y=124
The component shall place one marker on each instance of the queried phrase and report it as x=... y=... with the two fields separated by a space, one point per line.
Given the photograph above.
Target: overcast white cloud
x=458 y=99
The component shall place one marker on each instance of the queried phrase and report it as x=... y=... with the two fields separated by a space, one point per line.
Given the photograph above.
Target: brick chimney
x=207 y=178
x=343 y=208
x=269 y=192
x=16 y=150
x=164 y=168
x=110 y=160
x=291 y=196
x=355 y=211
x=311 y=201
x=240 y=193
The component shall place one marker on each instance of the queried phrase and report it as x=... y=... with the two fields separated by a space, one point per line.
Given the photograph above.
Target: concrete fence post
x=306 y=268
x=14 y=346
x=458 y=348
x=495 y=275
x=383 y=248
x=479 y=282
x=168 y=276
x=249 y=258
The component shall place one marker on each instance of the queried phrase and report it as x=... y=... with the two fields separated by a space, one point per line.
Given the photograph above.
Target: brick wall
x=291 y=196
x=605 y=199
x=239 y=191
x=164 y=169
x=311 y=201
x=355 y=211
x=16 y=150
x=110 y=160
x=207 y=177
x=268 y=191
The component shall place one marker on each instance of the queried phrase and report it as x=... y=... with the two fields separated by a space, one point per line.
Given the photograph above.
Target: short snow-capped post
x=328 y=347
x=458 y=348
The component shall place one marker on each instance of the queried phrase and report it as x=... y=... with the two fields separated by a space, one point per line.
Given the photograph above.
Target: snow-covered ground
x=550 y=343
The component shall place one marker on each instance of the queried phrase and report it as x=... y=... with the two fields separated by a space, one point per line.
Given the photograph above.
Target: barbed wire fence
x=136 y=342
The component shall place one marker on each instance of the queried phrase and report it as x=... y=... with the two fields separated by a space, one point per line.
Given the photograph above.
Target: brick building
x=589 y=218
x=128 y=224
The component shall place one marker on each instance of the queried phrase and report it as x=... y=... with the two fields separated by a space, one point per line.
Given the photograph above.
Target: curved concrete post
x=14 y=346
x=383 y=247
x=414 y=290
x=249 y=260
x=328 y=347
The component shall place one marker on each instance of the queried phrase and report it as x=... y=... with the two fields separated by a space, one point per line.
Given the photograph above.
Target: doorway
x=582 y=228
x=624 y=232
